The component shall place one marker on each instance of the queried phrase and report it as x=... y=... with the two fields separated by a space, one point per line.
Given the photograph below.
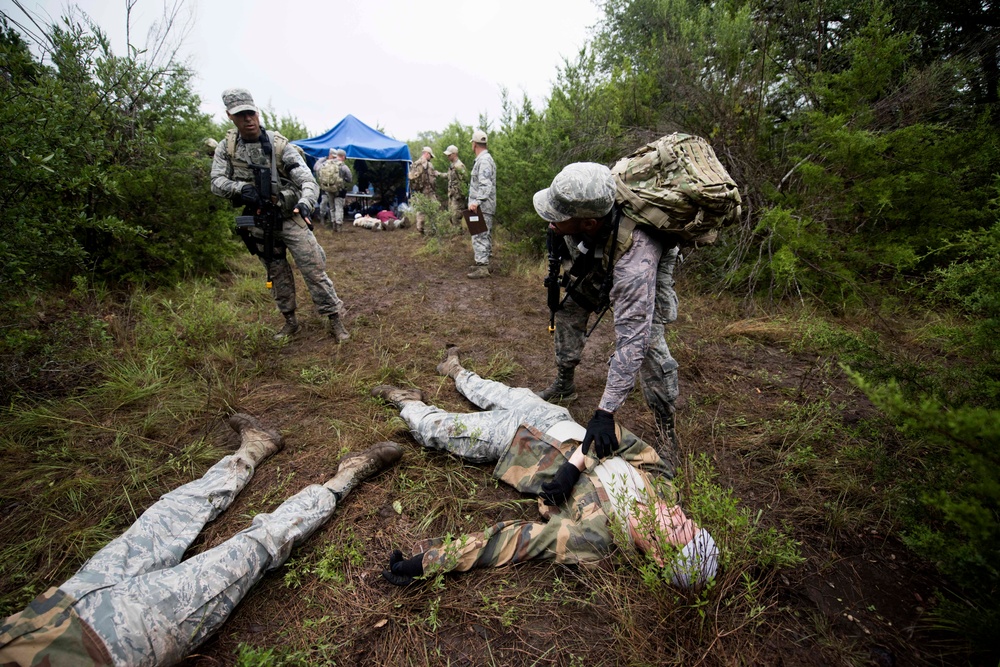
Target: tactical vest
x=278 y=144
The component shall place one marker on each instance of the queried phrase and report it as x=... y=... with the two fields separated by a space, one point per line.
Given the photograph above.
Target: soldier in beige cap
x=298 y=191
x=482 y=199
x=456 y=184
x=423 y=177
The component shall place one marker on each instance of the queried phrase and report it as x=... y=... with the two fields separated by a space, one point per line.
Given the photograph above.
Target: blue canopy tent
x=360 y=142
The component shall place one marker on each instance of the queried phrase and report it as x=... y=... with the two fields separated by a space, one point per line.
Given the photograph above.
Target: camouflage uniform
x=483 y=191
x=229 y=176
x=135 y=603
x=341 y=197
x=511 y=433
x=643 y=301
x=456 y=198
x=423 y=177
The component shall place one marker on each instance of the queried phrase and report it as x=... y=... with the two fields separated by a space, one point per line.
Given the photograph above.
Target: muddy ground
x=858 y=599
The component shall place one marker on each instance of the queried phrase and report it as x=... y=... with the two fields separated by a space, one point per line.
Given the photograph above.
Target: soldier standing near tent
x=482 y=200
x=423 y=177
x=233 y=179
x=456 y=179
x=338 y=201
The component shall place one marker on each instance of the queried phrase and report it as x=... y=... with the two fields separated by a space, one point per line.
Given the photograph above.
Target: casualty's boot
x=257 y=441
x=337 y=329
x=396 y=395
x=291 y=326
x=356 y=468
x=562 y=389
x=451 y=366
x=667 y=445
x=481 y=271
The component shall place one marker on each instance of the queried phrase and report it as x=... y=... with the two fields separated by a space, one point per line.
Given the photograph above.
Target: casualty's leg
x=159 y=538
x=161 y=617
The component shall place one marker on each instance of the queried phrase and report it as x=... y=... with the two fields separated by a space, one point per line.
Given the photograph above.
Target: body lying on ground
x=535 y=448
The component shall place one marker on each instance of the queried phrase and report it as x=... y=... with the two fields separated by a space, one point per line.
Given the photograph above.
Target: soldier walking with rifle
x=261 y=171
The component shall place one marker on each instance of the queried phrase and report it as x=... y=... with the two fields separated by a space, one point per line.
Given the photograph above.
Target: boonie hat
x=580 y=190
x=451 y=150
x=479 y=137
x=427 y=149
x=341 y=152
x=237 y=100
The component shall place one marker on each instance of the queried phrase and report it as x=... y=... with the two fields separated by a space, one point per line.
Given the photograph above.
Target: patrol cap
x=210 y=143
x=237 y=100
x=479 y=137
x=580 y=190
x=427 y=149
x=341 y=152
x=451 y=150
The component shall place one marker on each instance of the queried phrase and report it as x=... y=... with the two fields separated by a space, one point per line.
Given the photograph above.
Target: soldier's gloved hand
x=303 y=209
x=250 y=195
x=559 y=488
x=601 y=434
x=403 y=572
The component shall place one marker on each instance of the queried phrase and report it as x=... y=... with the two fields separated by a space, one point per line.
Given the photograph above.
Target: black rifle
x=268 y=214
x=592 y=261
x=556 y=247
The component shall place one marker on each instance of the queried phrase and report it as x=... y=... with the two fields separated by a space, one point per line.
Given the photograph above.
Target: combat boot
x=481 y=271
x=451 y=366
x=257 y=441
x=396 y=395
x=562 y=388
x=356 y=468
x=291 y=326
x=337 y=329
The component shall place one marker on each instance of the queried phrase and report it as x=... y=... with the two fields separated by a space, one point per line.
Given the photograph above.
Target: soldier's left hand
x=303 y=209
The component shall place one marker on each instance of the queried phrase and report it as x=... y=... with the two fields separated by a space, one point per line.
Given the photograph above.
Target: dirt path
x=855 y=601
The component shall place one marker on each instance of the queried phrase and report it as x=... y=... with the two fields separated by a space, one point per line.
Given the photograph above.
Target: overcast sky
x=405 y=65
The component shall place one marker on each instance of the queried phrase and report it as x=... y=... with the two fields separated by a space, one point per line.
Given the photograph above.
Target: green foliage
x=105 y=174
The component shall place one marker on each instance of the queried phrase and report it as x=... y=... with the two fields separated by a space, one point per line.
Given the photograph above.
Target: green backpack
x=677 y=184
x=330 y=178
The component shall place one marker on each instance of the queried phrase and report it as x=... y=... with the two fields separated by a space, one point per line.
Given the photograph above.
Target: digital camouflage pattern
x=231 y=172
x=456 y=190
x=677 y=184
x=49 y=633
x=580 y=190
x=483 y=191
x=483 y=183
x=510 y=432
x=643 y=300
x=480 y=437
x=422 y=177
x=147 y=606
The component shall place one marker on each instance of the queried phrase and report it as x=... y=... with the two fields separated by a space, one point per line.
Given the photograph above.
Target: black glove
x=403 y=572
x=250 y=195
x=601 y=432
x=559 y=488
x=304 y=209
